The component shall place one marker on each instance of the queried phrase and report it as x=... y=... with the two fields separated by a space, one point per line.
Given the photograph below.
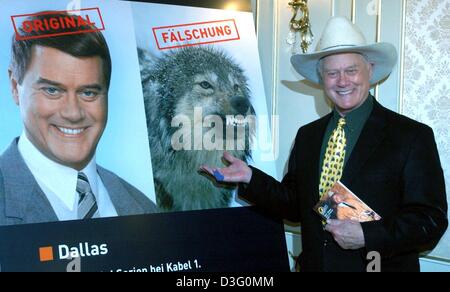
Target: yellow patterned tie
x=333 y=163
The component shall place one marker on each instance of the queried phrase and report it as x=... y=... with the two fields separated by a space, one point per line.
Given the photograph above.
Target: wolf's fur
x=172 y=86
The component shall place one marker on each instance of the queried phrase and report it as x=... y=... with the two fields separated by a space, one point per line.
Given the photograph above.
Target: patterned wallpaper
x=427 y=79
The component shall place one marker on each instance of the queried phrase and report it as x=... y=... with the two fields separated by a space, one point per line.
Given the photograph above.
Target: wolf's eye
x=236 y=87
x=206 y=85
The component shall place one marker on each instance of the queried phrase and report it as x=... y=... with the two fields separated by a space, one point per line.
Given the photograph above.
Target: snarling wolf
x=187 y=83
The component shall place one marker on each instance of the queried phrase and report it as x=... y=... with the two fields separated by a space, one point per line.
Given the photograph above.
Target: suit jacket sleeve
x=145 y=203
x=278 y=199
x=422 y=216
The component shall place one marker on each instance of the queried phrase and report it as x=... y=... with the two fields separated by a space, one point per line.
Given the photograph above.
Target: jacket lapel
x=371 y=136
x=24 y=200
x=315 y=141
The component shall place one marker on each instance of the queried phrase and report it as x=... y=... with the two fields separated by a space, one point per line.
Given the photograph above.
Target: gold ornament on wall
x=300 y=26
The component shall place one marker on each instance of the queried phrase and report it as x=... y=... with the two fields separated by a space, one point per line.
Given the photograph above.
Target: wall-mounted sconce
x=299 y=24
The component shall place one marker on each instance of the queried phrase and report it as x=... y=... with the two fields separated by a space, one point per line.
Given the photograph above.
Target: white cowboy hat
x=342 y=36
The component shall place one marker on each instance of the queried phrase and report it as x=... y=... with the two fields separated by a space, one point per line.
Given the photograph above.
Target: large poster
x=184 y=89
x=203 y=95
x=123 y=147
x=107 y=110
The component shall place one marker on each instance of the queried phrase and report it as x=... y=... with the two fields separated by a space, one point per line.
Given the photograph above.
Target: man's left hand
x=348 y=234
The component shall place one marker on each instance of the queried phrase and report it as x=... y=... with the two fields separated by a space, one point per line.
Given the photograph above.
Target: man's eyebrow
x=346 y=68
x=47 y=81
x=352 y=66
x=92 y=86
x=57 y=84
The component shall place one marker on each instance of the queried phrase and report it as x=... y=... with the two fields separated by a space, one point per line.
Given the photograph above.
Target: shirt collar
x=59 y=179
x=357 y=117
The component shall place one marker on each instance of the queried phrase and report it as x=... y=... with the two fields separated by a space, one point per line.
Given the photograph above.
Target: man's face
x=63 y=104
x=339 y=198
x=346 y=80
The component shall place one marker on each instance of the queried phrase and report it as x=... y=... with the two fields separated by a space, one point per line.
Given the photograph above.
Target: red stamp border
x=21 y=38
x=199 y=43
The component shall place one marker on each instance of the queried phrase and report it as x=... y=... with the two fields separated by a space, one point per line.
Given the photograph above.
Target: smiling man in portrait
x=60 y=84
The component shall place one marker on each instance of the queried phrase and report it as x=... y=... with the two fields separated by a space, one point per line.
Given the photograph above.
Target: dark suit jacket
x=394 y=168
x=22 y=201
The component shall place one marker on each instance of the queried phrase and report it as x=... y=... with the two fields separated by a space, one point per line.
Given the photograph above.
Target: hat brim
x=383 y=56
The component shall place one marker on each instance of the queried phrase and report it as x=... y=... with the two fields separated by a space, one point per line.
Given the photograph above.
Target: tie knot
x=83 y=185
x=341 y=122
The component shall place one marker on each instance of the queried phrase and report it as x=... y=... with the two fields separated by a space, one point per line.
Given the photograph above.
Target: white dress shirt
x=58 y=182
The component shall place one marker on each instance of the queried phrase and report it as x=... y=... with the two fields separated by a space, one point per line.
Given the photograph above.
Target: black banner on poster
x=220 y=240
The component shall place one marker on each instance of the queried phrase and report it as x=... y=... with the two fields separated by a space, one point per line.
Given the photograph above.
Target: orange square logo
x=46 y=254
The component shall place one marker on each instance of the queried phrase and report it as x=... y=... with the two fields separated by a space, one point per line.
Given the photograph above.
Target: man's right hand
x=236 y=172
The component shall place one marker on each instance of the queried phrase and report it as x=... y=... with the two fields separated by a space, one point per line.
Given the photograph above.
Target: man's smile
x=346 y=92
x=71 y=132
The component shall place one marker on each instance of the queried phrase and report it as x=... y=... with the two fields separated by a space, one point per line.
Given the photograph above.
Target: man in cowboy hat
x=391 y=163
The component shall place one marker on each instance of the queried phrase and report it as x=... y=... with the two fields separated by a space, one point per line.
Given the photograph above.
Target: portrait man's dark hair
x=83 y=44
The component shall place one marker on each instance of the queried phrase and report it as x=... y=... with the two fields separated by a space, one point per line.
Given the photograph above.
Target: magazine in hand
x=341 y=204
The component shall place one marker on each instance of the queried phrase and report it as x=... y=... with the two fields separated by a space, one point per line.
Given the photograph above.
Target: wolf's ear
x=147 y=64
x=147 y=61
x=146 y=56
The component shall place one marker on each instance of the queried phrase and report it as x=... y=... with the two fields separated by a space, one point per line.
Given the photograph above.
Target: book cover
x=342 y=204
